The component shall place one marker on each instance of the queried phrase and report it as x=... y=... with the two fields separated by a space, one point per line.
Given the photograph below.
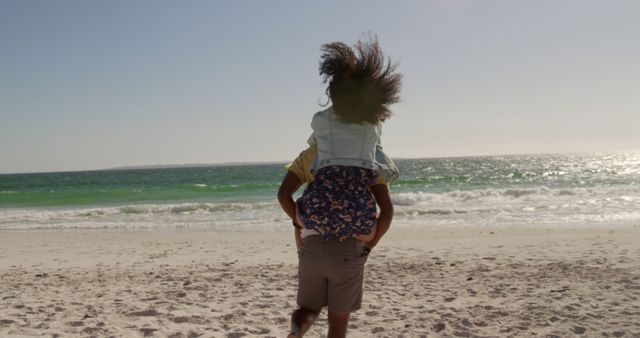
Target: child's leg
x=368 y=237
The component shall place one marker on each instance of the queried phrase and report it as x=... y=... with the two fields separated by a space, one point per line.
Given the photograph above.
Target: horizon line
x=235 y=163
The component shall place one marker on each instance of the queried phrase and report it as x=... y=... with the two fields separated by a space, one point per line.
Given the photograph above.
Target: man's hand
x=365 y=251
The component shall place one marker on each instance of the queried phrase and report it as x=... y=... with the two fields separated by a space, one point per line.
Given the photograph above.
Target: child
x=338 y=203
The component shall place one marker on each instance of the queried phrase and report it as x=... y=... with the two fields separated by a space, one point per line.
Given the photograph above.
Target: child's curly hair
x=360 y=86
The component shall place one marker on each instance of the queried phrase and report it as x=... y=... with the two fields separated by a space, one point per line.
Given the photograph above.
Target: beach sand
x=462 y=282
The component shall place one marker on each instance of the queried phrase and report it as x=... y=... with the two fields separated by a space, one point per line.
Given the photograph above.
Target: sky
x=98 y=84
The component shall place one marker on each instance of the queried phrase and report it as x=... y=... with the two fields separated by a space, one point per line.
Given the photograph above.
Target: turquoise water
x=527 y=189
x=169 y=185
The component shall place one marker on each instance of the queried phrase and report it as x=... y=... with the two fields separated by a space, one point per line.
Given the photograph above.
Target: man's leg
x=338 y=323
x=312 y=285
x=344 y=293
x=301 y=321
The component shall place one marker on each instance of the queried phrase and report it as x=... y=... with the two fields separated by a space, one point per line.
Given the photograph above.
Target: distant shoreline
x=153 y=166
x=190 y=165
x=228 y=164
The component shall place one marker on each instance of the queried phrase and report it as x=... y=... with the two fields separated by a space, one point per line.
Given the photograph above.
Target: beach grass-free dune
x=459 y=282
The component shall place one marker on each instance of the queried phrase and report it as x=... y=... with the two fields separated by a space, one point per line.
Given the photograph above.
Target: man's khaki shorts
x=330 y=273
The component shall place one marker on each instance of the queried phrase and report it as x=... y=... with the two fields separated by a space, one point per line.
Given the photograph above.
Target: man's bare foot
x=301 y=321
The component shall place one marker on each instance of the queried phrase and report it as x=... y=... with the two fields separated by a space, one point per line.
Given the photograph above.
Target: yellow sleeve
x=301 y=166
x=379 y=180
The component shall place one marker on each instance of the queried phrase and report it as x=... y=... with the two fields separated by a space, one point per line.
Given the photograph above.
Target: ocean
x=568 y=190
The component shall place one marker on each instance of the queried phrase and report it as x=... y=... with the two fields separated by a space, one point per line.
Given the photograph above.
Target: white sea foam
x=498 y=196
x=522 y=206
x=530 y=206
x=185 y=215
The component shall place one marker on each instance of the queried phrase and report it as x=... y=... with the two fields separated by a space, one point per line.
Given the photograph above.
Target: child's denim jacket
x=349 y=144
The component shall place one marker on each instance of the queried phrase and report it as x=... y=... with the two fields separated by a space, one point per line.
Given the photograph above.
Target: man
x=322 y=282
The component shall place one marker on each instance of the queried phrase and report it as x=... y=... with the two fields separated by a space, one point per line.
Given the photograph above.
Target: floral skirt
x=338 y=203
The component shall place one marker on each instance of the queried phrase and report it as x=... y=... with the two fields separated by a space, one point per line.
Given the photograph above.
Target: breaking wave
x=499 y=196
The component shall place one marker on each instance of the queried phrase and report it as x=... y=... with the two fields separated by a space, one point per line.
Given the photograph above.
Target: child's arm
x=383 y=199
